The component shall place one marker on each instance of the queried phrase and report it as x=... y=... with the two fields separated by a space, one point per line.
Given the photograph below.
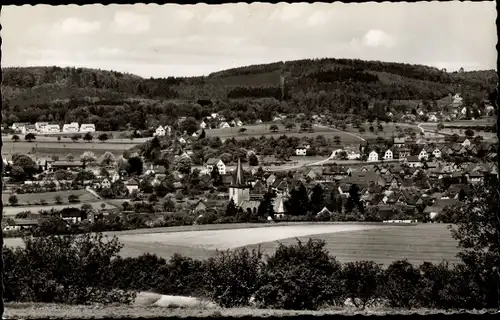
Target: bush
x=232 y=276
x=402 y=285
x=300 y=277
x=63 y=269
x=362 y=281
x=438 y=286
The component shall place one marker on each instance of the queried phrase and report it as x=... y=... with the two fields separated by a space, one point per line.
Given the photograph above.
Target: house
x=301 y=150
x=200 y=206
x=214 y=115
x=159 y=132
x=203 y=125
x=413 y=162
x=433 y=118
x=388 y=155
x=436 y=152
x=105 y=183
x=422 y=154
x=224 y=125
x=438 y=207
x=466 y=143
x=402 y=153
x=399 y=142
x=65 y=165
x=40 y=126
x=237 y=123
x=70 y=127
x=457 y=99
x=52 y=128
x=87 y=127
x=373 y=156
x=30 y=128
x=209 y=166
x=132 y=185
x=258 y=121
x=181 y=140
x=19 y=126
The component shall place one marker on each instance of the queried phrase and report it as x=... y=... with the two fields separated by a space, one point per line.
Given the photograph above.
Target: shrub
x=299 y=277
x=13 y=200
x=401 y=284
x=362 y=281
x=232 y=276
x=63 y=269
x=185 y=276
x=438 y=286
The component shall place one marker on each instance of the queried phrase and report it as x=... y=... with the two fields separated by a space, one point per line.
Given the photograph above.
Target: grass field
x=12 y=211
x=49 y=147
x=49 y=197
x=347 y=241
x=259 y=130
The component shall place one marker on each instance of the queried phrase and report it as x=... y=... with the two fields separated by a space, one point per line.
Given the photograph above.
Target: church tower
x=239 y=190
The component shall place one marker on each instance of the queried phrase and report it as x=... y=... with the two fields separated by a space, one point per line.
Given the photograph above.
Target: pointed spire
x=240 y=181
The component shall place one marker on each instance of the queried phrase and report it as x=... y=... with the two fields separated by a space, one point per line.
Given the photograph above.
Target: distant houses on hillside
x=46 y=127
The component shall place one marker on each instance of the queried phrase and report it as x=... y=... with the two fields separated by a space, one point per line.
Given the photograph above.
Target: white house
x=182 y=140
x=388 y=155
x=53 y=128
x=423 y=155
x=40 y=126
x=215 y=162
x=466 y=143
x=160 y=132
x=258 y=121
x=105 y=183
x=433 y=118
x=132 y=185
x=436 y=153
x=301 y=150
x=87 y=127
x=18 y=126
x=30 y=128
x=203 y=125
x=70 y=127
x=224 y=125
x=457 y=99
x=353 y=155
x=214 y=115
x=464 y=110
x=373 y=156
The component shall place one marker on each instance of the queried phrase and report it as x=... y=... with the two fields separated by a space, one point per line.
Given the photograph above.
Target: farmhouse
x=388 y=155
x=224 y=125
x=160 y=132
x=70 y=127
x=132 y=185
x=373 y=156
x=215 y=162
x=87 y=127
x=203 y=125
x=301 y=150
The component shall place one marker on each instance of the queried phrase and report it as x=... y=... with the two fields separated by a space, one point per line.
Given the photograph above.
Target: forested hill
x=312 y=85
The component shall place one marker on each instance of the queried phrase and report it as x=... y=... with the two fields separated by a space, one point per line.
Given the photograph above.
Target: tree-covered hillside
x=338 y=86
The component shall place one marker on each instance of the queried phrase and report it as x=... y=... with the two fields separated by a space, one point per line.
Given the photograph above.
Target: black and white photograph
x=249 y=159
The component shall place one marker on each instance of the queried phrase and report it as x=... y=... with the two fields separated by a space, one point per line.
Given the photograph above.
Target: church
x=239 y=191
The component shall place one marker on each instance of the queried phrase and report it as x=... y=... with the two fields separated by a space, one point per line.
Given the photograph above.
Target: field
x=12 y=211
x=48 y=146
x=349 y=136
x=49 y=197
x=347 y=241
x=259 y=130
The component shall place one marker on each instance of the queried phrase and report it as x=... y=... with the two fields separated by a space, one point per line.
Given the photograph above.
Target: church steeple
x=239 y=181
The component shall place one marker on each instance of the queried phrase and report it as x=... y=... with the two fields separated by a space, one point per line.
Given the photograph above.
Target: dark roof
x=213 y=161
x=412 y=159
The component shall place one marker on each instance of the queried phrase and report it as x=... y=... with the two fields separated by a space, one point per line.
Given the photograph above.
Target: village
x=398 y=178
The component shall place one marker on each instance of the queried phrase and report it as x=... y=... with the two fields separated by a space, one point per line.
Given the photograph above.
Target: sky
x=193 y=40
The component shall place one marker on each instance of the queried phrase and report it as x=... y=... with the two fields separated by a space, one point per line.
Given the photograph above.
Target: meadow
x=347 y=241
x=10 y=212
x=262 y=129
x=49 y=197
x=49 y=145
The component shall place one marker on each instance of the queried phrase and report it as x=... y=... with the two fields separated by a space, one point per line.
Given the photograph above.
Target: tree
x=336 y=139
x=189 y=125
x=354 y=198
x=107 y=159
x=58 y=138
x=13 y=200
x=183 y=165
x=440 y=126
x=216 y=177
x=361 y=130
x=88 y=157
x=298 y=204
x=15 y=138
x=477 y=231
x=317 y=199
x=242 y=130
x=363 y=282
x=469 y=133
x=88 y=137
x=253 y=160
x=135 y=165
x=231 y=209
x=304 y=126
x=273 y=128
x=75 y=137
x=372 y=129
x=103 y=137
x=29 y=137
x=266 y=206
x=58 y=199
x=70 y=157
x=290 y=126
x=202 y=134
x=72 y=198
